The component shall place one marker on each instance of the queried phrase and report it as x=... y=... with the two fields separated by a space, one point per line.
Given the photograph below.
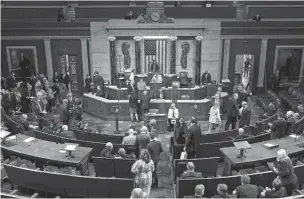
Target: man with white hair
x=143 y=139
x=66 y=133
x=245 y=115
x=290 y=122
x=232 y=111
x=241 y=135
x=107 y=151
x=130 y=139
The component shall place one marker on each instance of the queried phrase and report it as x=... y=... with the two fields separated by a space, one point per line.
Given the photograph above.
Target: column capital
x=199 y=38
x=137 y=38
x=173 y=38
x=111 y=38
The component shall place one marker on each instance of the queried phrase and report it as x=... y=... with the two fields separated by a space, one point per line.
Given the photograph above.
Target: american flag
x=155 y=50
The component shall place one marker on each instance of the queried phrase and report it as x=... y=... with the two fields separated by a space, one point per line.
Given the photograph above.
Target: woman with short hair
x=284 y=169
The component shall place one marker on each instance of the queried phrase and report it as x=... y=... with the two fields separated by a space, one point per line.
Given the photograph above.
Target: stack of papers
x=13 y=137
x=71 y=147
x=269 y=145
x=29 y=139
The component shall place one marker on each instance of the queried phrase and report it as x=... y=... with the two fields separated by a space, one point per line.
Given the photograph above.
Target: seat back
x=207 y=166
x=70 y=185
x=96 y=137
x=113 y=167
x=104 y=167
x=185 y=187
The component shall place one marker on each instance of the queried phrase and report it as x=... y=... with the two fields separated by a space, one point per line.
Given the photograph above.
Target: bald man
x=142 y=140
x=190 y=173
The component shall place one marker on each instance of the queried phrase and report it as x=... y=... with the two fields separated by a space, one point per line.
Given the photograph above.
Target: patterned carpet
x=165 y=189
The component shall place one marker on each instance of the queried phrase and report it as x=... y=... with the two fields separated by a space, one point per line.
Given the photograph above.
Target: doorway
x=244 y=70
x=68 y=63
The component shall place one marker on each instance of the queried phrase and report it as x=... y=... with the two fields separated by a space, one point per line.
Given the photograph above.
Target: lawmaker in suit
x=190 y=173
x=66 y=133
x=155 y=149
x=98 y=80
x=247 y=190
x=154 y=67
x=144 y=104
x=173 y=115
x=107 y=151
x=199 y=191
x=285 y=171
x=142 y=139
x=290 y=122
x=245 y=115
x=11 y=81
x=131 y=87
x=180 y=131
x=99 y=92
x=24 y=64
x=206 y=77
x=277 y=191
x=279 y=127
x=193 y=139
x=232 y=111
x=64 y=114
x=222 y=190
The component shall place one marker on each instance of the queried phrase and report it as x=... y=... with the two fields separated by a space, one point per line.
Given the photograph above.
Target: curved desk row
x=103 y=108
x=196 y=93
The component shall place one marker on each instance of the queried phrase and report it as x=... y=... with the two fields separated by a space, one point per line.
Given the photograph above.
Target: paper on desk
x=29 y=139
x=11 y=137
x=70 y=147
x=4 y=133
x=62 y=151
x=269 y=145
x=294 y=136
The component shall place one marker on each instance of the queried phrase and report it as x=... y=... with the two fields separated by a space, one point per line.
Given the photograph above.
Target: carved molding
x=42 y=37
x=262 y=36
x=199 y=38
x=137 y=38
x=111 y=38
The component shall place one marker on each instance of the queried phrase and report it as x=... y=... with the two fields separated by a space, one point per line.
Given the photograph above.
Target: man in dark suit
x=131 y=87
x=232 y=111
x=98 y=80
x=107 y=151
x=279 y=127
x=24 y=64
x=154 y=67
x=155 y=149
x=193 y=139
x=245 y=115
x=190 y=173
x=64 y=113
x=133 y=101
x=199 y=191
x=257 y=17
x=99 y=92
x=145 y=102
x=142 y=139
x=278 y=191
x=11 y=81
x=246 y=190
x=206 y=77
x=66 y=133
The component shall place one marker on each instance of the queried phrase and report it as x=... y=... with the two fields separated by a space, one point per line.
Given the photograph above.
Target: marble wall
x=191 y=57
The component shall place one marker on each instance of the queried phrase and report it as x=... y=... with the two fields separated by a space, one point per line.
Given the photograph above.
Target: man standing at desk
x=154 y=67
x=193 y=139
x=232 y=112
x=98 y=80
x=279 y=127
x=206 y=78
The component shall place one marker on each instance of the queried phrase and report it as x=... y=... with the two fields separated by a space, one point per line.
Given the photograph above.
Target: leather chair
x=183 y=79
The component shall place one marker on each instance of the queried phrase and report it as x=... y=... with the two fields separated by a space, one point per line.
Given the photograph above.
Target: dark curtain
x=173 y=58
x=198 y=62
x=113 y=64
x=137 y=57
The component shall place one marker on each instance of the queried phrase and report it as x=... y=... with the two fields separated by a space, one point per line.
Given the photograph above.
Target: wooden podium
x=155 y=86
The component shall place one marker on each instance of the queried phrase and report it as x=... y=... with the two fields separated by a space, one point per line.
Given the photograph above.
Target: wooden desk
x=161 y=121
x=101 y=107
x=45 y=152
x=258 y=153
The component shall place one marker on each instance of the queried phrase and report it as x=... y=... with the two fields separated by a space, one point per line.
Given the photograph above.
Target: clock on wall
x=155 y=16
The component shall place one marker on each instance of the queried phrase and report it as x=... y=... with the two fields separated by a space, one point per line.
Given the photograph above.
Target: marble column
x=240 y=10
x=137 y=55
x=173 y=55
x=49 y=61
x=198 y=60
x=113 y=60
x=142 y=58
x=262 y=63
x=91 y=60
x=226 y=58
x=85 y=59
